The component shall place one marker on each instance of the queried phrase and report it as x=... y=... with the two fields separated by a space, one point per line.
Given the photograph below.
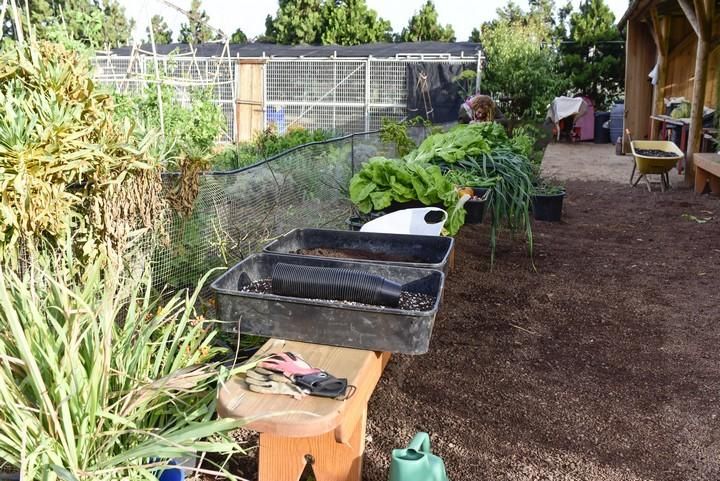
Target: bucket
x=475 y=209
x=547 y=207
x=424 y=221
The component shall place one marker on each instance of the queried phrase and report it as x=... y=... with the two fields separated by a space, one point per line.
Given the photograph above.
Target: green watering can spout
x=417 y=462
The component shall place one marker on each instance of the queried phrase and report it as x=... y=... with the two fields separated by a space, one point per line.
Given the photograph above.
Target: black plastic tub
x=547 y=207
x=329 y=322
x=428 y=252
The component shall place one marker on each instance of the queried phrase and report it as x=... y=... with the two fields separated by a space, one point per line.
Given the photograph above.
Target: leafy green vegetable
x=382 y=181
x=469 y=141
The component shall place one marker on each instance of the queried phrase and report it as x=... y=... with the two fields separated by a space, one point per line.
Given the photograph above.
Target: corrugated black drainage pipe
x=335 y=284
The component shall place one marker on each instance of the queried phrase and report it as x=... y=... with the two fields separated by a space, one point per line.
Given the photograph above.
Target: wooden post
x=660 y=31
x=700 y=16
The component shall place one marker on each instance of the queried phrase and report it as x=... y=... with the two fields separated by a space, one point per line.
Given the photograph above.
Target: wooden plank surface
x=310 y=416
x=708 y=162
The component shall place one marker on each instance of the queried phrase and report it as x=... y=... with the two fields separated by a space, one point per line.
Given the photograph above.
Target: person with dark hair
x=479 y=108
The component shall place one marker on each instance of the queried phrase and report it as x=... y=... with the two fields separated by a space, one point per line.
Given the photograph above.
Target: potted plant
x=547 y=200
x=477 y=188
x=475 y=205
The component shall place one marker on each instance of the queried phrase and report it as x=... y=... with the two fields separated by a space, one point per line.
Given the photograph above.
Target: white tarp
x=563 y=107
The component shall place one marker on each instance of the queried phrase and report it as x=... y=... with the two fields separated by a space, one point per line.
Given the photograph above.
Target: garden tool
x=416 y=462
x=313 y=381
x=268 y=382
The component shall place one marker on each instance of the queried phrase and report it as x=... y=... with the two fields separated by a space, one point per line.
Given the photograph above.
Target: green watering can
x=416 y=462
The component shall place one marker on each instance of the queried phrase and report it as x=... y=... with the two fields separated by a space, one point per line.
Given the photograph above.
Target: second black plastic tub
x=328 y=322
x=397 y=249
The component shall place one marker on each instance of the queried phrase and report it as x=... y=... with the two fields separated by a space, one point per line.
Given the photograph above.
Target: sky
x=249 y=15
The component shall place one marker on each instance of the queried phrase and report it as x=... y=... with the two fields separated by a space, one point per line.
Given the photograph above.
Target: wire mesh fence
x=344 y=95
x=238 y=212
x=133 y=74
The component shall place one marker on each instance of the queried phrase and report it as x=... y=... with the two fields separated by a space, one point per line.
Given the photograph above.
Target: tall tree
x=522 y=68
x=116 y=27
x=95 y=23
x=160 y=29
x=352 y=22
x=424 y=26
x=341 y=22
x=196 y=30
x=593 y=57
x=296 y=22
x=238 y=36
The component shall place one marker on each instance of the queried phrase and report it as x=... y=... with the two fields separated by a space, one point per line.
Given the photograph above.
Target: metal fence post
x=367 y=94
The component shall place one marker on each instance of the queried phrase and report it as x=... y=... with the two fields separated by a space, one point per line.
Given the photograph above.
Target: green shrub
x=190 y=130
x=265 y=144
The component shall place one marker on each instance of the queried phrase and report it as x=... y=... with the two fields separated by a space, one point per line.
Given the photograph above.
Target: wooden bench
x=327 y=433
x=707 y=170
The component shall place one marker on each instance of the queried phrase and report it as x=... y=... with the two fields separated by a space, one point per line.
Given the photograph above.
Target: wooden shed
x=678 y=38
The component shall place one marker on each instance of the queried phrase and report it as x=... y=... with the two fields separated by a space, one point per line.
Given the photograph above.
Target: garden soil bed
x=600 y=365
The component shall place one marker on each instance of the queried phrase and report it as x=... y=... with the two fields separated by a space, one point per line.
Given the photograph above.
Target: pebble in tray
x=409 y=301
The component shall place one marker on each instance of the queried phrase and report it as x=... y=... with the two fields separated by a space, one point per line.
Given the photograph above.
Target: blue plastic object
x=416 y=462
x=276 y=115
x=171 y=474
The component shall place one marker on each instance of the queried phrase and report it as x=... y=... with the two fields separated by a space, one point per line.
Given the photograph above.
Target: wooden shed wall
x=681 y=63
x=640 y=58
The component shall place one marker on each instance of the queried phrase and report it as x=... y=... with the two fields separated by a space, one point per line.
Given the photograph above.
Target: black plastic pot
x=356 y=222
x=309 y=282
x=547 y=207
x=413 y=204
x=358 y=326
x=475 y=209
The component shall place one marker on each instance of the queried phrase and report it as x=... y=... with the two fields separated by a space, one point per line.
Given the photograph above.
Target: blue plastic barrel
x=617 y=114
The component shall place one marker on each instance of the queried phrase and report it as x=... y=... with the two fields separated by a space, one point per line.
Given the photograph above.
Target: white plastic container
x=408 y=221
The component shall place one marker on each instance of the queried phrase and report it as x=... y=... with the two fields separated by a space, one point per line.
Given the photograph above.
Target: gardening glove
x=267 y=382
x=288 y=364
x=313 y=381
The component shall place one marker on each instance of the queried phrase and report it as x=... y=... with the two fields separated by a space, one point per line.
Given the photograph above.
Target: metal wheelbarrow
x=646 y=165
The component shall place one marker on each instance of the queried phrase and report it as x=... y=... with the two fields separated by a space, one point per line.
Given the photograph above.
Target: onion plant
x=512 y=185
x=99 y=379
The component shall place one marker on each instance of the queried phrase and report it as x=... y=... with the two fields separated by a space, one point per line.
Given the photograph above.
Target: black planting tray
x=429 y=252
x=329 y=322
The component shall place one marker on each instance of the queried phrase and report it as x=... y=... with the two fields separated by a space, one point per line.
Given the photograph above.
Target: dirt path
x=603 y=365
x=600 y=365
x=588 y=161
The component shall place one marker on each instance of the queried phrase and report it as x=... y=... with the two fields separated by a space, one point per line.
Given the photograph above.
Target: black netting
x=237 y=213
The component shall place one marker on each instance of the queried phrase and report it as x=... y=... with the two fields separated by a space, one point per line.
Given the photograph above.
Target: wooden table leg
x=284 y=459
x=701 y=179
x=714 y=184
